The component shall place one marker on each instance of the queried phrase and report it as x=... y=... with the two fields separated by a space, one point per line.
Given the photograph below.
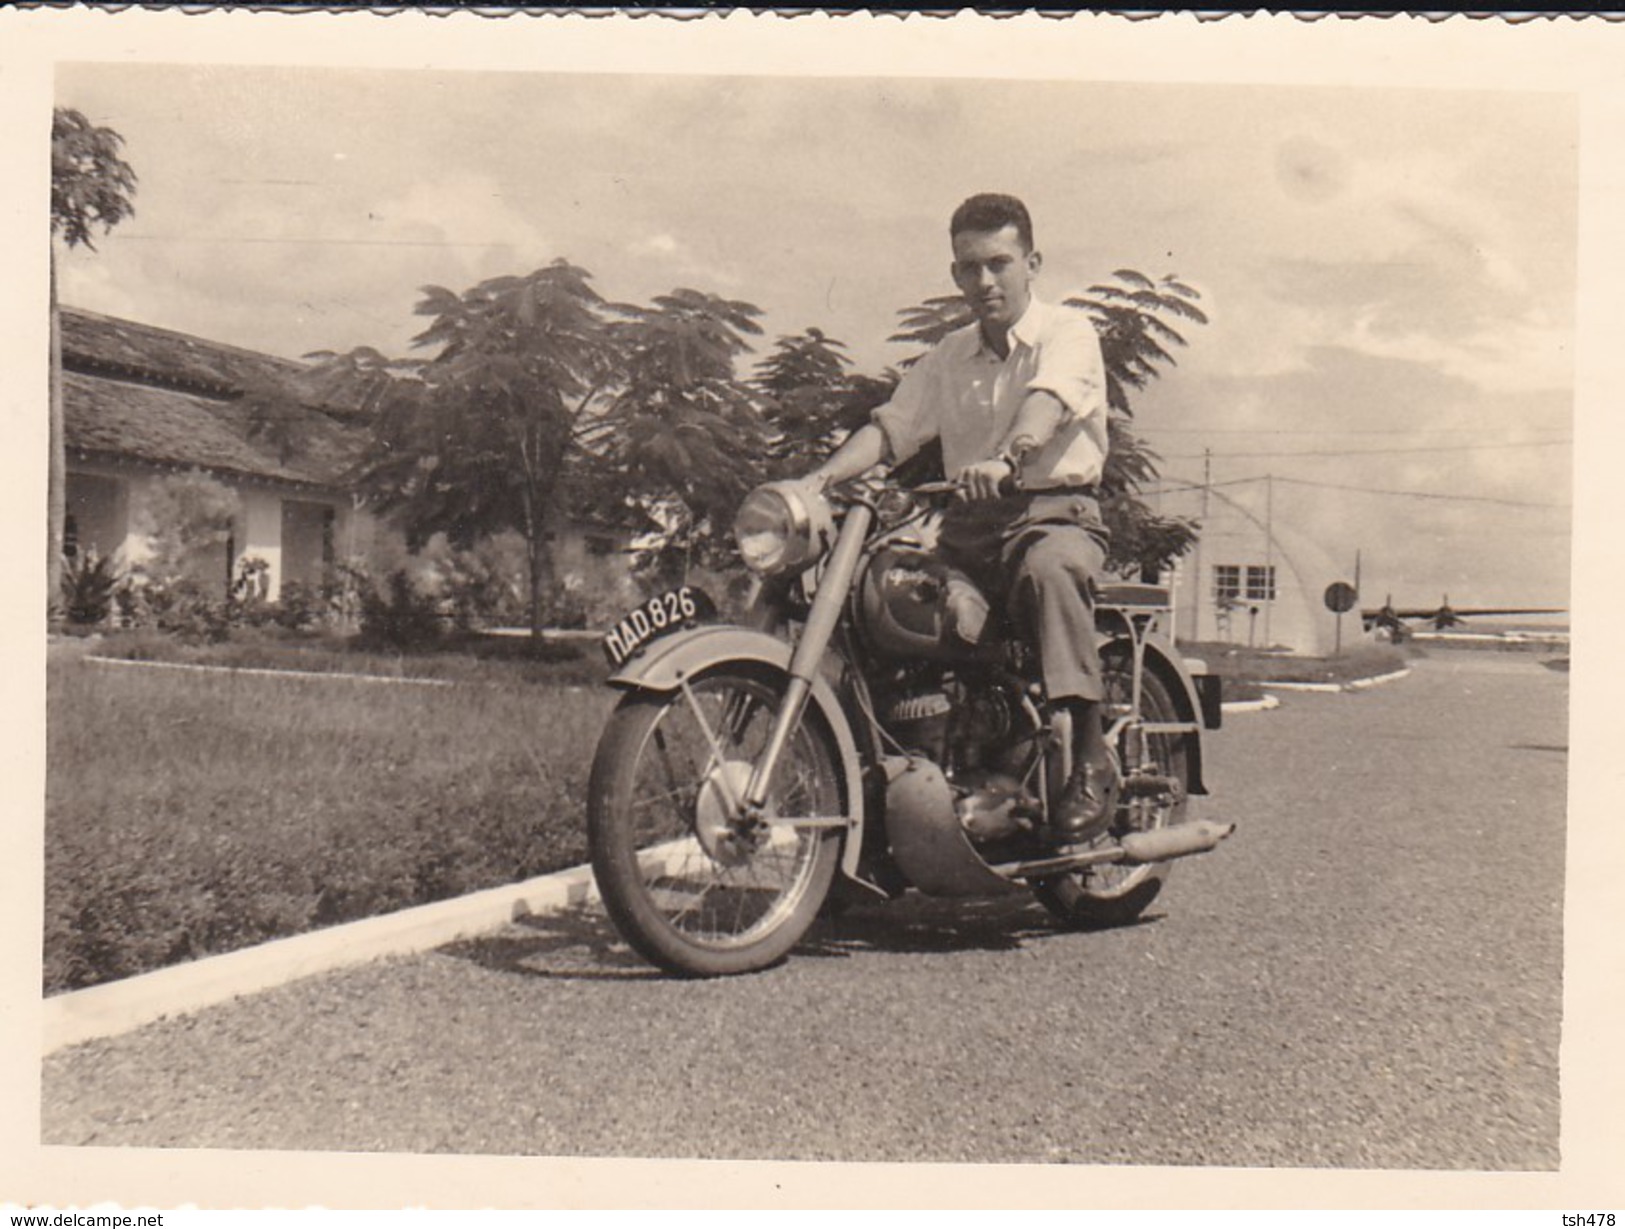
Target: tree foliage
x=472 y=440
x=91 y=184
x=811 y=400
x=680 y=422
x=1134 y=318
x=539 y=389
x=539 y=394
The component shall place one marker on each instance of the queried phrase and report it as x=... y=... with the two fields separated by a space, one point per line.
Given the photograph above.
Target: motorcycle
x=849 y=738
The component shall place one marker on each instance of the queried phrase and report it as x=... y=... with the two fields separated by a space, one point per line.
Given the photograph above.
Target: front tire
x=1112 y=894
x=691 y=889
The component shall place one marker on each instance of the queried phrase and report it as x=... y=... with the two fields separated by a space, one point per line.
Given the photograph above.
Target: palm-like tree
x=805 y=385
x=680 y=428
x=473 y=440
x=91 y=186
x=1137 y=338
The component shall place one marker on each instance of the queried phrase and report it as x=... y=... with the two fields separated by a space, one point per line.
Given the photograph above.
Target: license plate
x=657 y=617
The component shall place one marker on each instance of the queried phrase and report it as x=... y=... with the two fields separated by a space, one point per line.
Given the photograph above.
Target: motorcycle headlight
x=782 y=528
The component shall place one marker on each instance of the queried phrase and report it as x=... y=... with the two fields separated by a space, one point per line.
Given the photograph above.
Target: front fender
x=662 y=666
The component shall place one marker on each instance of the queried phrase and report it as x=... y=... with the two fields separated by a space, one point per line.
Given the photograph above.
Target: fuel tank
x=912 y=605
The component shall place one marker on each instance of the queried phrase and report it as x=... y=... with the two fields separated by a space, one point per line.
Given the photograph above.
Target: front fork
x=816 y=633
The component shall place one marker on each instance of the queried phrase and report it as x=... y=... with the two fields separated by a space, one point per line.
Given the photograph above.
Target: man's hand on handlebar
x=986 y=479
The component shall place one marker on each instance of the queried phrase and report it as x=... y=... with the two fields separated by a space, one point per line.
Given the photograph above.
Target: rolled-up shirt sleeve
x=909 y=419
x=1070 y=365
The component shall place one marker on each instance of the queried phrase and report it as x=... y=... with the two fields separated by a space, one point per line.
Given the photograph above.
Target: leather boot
x=1085 y=807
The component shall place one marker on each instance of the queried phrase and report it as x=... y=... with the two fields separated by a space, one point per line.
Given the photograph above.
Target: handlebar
x=878 y=498
x=1009 y=485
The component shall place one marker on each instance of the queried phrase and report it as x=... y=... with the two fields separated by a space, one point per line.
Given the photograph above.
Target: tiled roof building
x=140 y=402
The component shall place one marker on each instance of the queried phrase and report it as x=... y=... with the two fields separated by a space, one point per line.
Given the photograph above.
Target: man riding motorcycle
x=1017 y=399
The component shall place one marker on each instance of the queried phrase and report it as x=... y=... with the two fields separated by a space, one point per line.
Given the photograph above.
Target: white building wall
x=109 y=501
x=1296 y=619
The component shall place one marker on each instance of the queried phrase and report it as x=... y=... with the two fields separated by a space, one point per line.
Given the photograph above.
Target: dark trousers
x=1039 y=555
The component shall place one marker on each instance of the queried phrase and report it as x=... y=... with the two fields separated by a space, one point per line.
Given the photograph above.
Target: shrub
x=299 y=606
x=483 y=585
x=343 y=586
x=131 y=605
x=247 y=605
x=89 y=585
x=188 y=519
x=176 y=605
x=403 y=617
x=564 y=607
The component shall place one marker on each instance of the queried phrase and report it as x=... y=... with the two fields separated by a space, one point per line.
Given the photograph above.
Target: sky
x=1390 y=274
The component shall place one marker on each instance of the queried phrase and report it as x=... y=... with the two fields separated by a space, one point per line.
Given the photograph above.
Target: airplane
x=1443 y=616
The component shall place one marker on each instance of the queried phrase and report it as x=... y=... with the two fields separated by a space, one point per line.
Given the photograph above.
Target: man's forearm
x=1034 y=426
x=864 y=449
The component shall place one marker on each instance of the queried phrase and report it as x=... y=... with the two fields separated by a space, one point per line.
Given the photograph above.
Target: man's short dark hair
x=993 y=211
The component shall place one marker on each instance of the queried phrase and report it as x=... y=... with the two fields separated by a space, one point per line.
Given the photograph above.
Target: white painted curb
x=264 y=672
x=1378 y=679
x=1261 y=705
x=1354 y=685
x=118 y=1007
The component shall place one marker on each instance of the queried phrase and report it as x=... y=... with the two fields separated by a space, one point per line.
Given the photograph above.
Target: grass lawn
x=190 y=814
x=1244 y=669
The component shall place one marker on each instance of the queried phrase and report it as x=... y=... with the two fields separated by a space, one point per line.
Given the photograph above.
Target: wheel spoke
x=717 y=757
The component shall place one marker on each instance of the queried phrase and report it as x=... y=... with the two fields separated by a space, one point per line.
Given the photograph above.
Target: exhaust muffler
x=1179 y=841
x=1135 y=849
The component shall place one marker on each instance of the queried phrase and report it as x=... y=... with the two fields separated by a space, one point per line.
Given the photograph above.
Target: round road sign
x=1340 y=596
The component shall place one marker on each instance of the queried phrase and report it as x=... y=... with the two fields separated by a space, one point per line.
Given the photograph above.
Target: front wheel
x=1113 y=894
x=692 y=887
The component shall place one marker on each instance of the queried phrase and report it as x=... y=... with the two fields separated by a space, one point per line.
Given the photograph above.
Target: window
x=1261 y=583
x=1234 y=582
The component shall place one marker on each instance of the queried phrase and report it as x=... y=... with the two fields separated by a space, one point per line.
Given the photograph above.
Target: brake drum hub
x=725 y=837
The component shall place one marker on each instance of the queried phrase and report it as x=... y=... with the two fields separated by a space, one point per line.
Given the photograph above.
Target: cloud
x=654 y=245
x=681 y=261
x=465 y=214
x=1444 y=299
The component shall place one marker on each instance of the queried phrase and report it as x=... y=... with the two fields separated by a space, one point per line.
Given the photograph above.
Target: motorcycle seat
x=1128 y=595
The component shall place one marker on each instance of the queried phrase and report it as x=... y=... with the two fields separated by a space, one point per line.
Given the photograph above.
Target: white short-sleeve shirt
x=966 y=394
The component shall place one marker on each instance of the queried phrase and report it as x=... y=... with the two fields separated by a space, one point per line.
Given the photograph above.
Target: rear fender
x=663 y=665
x=1164 y=661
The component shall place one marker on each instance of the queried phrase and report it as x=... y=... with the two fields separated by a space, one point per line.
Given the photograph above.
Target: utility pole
x=1269 y=554
x=1197 y=587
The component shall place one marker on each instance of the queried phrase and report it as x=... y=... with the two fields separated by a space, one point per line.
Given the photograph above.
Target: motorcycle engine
x=975 y=734
x=920 y=722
